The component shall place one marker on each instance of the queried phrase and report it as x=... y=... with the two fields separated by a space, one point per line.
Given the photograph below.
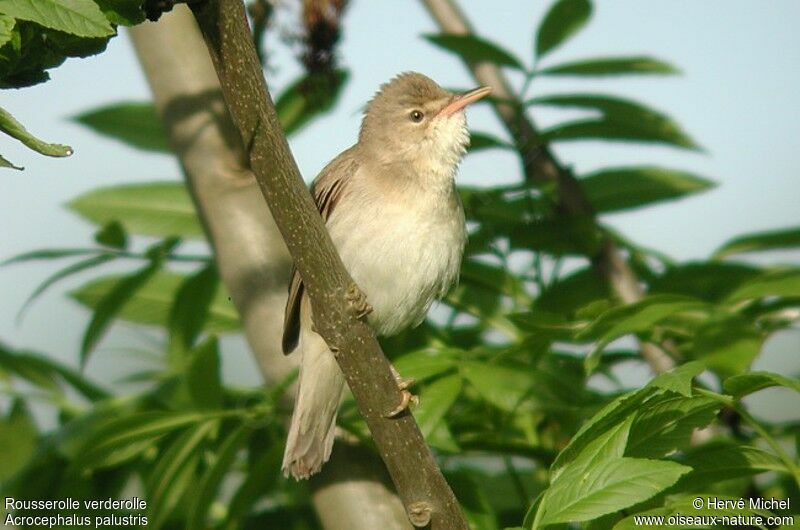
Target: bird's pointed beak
x=461 y=101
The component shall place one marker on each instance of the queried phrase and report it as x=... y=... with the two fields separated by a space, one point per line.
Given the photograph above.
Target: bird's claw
x=406 y=398
x=357 y=302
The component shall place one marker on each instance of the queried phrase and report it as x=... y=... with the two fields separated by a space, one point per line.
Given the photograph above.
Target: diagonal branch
x=248 y=249
x=425 y=493
x=541 y=165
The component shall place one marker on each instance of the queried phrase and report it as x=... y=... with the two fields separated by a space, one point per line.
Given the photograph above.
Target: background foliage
x=518 y=377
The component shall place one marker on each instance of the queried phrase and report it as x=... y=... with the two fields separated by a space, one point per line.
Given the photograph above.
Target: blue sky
x=737 y=96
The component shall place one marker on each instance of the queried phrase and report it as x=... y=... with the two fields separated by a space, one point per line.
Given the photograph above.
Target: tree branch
x=425 y=493
x=248 y=249
x=541 y=165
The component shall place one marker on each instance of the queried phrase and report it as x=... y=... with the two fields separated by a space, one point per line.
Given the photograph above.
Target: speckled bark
x=400 y=443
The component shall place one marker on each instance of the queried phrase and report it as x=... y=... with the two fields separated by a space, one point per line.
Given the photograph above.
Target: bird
x=392 y=210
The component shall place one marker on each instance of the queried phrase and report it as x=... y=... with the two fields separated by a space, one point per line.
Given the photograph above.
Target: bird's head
x=413 y=120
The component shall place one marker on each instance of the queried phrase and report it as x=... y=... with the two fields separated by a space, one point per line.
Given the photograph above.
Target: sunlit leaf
x=436 y=399
x=18 y=439
x=152 y=302
x=612 y=66
x=609 y=445
x=623 y=188
x=668 y=425
x=780 y=283
x=6 y=26
x=423 y=364
x=744 y=384
x=134 y=123
x=607 y=487
x=156 y=209
x=678 y=379
x=562 y=21
x=619 y=119
x=5 y=163
x=13 y=128
x=760 y=242
x=474 y=49
x=77 y=17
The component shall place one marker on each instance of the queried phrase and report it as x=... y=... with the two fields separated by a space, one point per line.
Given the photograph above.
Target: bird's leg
x=406 y=397
x=357 y=301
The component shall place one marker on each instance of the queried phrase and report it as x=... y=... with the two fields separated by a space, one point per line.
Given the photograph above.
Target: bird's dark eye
x=416 y=116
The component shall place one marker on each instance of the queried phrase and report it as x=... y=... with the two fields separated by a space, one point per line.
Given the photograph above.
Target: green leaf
x=636 y=318
x=607 y=446
x=788 y=238
x=501 y=386
x=48 y=254
x=668 y=424
x=784 y=283
x=76 y=17
x=728 y=345
x=6 y=29
x=152 y=302
x=18 y=439
x=741 y=385
x=44 y=372
x=717 y=462
x=573 y=291
x=174 y=472
x=603 y=66
x=474 y=49
x=619 y=119
x=679 y=379
x=709 y=281
x=213 y=477
x=624 y=188
x=561 y=22
x=479 y=141
x=75 y=268
x=424 y=364
x=308 y=97
x=122 y=12
x=107 y=307
x=436 y=399
x=123 y=431
x=6 y=163
x=133 y=123
x=112 y=235
x=606 y=487
x=13 y=128
x=190 y=310
x=155 y=209
x=203 y=376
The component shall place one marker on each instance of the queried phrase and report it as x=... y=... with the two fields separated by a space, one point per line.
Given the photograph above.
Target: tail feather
x=319 y=392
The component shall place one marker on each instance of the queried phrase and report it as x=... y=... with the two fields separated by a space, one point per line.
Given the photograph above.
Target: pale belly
x=403 y=259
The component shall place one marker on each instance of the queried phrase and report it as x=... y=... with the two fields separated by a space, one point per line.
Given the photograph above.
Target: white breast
x=403 y=248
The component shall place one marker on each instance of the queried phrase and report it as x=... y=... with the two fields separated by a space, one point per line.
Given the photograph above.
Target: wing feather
x=327 y=190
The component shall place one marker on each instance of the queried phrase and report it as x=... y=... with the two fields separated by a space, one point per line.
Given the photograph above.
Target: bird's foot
x=406 y=397
x=357 y=302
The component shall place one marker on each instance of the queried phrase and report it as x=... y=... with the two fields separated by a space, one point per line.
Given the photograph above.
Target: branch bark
x=541 y=165
x=426 y=495
x=352 y=492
